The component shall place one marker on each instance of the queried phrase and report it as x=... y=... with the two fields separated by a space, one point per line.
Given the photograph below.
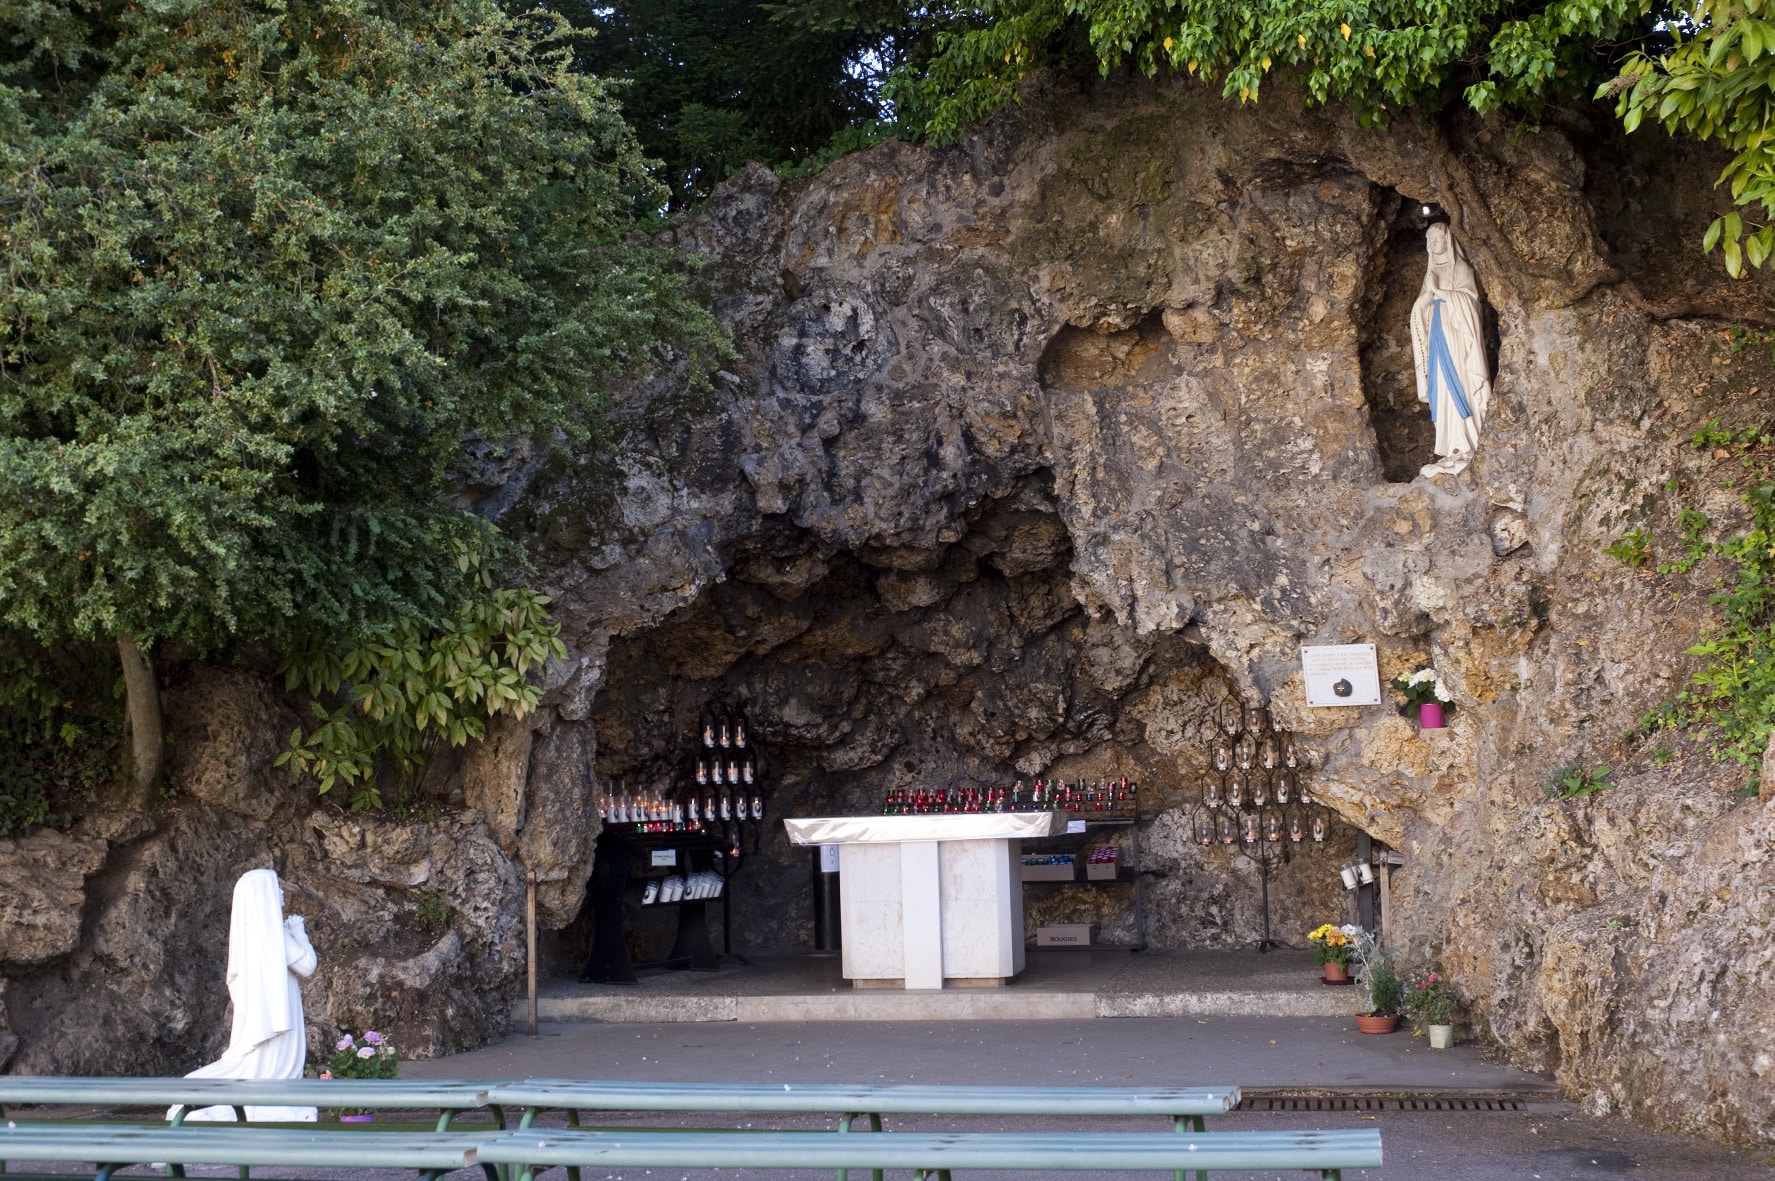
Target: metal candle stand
x=705 y=818
x=1254 y=797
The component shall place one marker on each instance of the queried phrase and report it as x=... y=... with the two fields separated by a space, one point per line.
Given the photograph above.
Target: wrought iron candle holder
x=1254 y=797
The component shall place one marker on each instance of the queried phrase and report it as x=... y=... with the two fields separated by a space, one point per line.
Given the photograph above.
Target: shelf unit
x=1130 y=875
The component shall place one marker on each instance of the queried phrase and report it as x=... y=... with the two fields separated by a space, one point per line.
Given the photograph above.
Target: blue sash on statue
x=1441 y=361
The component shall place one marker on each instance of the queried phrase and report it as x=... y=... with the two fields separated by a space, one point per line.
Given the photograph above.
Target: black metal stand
x=612 y=866
x=1263 y=869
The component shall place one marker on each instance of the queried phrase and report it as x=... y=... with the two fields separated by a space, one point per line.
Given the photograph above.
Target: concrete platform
x=1058 y=984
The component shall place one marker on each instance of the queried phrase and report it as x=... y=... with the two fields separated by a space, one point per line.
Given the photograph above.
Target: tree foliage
x=60 y=725
x=713 y=84
x=1705 y=68
x=1717 y=83
x=404 y=691
x=267 y=266
x=1377 y=58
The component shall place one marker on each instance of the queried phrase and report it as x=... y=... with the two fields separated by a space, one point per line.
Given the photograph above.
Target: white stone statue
x=1448 y=342
x=269 y=1040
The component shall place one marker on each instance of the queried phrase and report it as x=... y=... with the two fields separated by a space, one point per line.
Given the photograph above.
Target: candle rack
x=702 y=816
x=1254 y=797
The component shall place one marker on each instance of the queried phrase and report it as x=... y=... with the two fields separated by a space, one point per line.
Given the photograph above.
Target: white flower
x=1420 y=676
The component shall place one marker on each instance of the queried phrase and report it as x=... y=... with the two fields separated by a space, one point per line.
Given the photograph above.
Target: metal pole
x=530 y=938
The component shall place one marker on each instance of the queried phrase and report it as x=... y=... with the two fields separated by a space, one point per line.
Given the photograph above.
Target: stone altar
x=929 y=899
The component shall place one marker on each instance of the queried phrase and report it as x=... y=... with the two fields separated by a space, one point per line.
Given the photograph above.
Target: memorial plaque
x=1341 y=674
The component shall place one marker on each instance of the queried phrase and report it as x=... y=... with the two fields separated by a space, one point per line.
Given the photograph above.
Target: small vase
x=1441 y=1036
x=367 y=1117
x=1368 y=1024
x=1430 y=715
x=1336 y=974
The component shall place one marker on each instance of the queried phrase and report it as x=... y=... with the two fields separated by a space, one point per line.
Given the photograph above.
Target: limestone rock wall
x=1036 y=446
x=1178 y=318
x=113 y=938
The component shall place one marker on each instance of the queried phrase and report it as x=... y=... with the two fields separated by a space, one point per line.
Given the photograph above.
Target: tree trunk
x=147 y=745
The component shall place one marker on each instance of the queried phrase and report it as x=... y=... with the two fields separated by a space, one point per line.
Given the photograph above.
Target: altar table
x=929 y=899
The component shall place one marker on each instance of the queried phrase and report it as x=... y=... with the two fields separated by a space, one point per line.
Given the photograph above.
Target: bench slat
x=204 y=1092
x=239 y=1146
x=1352 y=1148
x=898 y=1099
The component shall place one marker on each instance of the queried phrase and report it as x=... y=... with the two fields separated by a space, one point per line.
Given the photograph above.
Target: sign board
x=665 y=857
x=1075 y=826
x=1341 y=674
x=828 y=858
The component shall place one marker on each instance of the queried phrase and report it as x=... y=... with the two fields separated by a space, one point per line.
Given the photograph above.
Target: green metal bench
x=1324 y=1152
x=1185 y=1107
x=110 y=1148
x=447 y=1098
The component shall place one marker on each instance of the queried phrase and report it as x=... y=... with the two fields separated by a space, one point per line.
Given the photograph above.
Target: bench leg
x=875 y=1126
x=1188 y=1123
x=844 y=1125
x=1332 y=1174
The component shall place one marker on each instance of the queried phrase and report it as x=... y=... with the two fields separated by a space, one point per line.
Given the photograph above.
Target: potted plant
x=1385 y=996
x=1433 y=1004
x=1425 y=690
x=1333 y=946
x=374 y=1057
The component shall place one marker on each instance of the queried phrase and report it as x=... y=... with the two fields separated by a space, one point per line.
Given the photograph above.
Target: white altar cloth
x=929 y=898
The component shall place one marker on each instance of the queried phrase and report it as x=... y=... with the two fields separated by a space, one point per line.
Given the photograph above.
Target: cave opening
x=968 y=664
x=1403 y=432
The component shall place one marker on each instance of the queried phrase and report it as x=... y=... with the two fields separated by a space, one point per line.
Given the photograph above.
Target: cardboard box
x=1063 y=935
x=1066 y=871
x=1100 y=871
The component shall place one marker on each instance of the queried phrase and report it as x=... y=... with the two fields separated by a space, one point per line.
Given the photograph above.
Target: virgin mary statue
x=269 y=1039
x=1449 y=345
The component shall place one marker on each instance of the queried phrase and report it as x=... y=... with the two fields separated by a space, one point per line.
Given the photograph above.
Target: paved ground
x=1545 y=1139
x=1549 y=1139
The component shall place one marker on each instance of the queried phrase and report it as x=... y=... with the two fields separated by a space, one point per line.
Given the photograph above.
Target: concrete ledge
x=949 y=1005
x=1329 y=1002
x=640 y=1007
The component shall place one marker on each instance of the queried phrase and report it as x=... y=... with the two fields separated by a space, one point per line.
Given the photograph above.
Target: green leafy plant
x=432 y=912
x=373 y=1057
x=1633 y=548
x=1385 y=995
x=1662 y=755
x=61 y=723
x=1730 y=701
x=405 y=690
x=1693 y=524
x=1333 y=945
x=1424 y=687
x=1575 y=781
x=1431 y=1001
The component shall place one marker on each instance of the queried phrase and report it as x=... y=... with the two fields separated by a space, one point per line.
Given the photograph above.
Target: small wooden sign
x=1341 y=674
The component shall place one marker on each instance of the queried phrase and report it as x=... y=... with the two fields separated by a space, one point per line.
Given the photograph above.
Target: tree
x=713 y=84
x=268 y=266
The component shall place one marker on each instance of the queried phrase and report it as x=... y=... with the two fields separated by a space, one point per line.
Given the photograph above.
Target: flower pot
x=1441 y=1036
x=357 y=1119
x=1430 y=715
x=1370 y=1024
x=1336 y=974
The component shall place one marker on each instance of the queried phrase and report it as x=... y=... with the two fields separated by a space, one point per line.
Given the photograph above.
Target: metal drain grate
x=1373 y=1103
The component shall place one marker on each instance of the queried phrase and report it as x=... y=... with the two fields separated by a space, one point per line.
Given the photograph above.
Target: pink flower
x=1434 y=977
x=367 y=1052
x=326 y=1074
x=344 y=1043
x=375 y=1039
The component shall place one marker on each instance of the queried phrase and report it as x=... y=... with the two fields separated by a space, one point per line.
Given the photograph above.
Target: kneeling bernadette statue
x=269 y=1038
x=1448 y=343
